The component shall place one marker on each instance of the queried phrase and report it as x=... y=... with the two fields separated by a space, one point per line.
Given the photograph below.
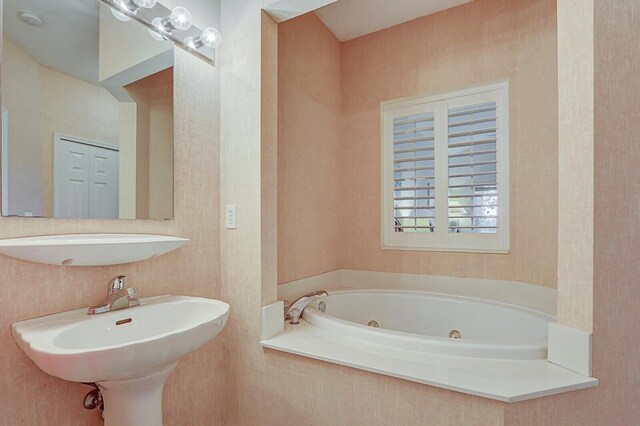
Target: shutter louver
x=414 y=173
x=473 y=169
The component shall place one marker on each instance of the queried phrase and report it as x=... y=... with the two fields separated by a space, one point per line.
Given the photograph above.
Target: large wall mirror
x=87 y=113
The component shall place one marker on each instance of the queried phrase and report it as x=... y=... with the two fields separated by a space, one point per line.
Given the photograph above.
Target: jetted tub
x=434 y=323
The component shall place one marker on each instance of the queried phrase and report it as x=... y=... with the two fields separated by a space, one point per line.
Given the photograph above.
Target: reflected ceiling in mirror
x=87 y=114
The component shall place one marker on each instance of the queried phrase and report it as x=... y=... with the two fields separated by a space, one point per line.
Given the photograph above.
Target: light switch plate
x=230 y=217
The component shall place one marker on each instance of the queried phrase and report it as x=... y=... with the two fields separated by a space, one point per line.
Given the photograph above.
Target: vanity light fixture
x=179 y=19
x=131 y=6
x=210 y=37
x=174 y=25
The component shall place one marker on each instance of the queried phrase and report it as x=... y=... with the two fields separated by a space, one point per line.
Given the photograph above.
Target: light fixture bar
x=176 y=41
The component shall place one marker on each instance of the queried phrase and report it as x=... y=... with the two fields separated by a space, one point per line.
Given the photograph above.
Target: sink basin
x=129 y=353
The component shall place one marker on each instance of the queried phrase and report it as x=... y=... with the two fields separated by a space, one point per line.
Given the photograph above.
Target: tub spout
x=293 y=311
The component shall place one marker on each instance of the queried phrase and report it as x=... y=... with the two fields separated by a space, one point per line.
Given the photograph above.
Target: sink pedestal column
x=134 y=402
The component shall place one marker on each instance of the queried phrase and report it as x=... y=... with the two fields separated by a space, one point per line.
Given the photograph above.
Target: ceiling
x=348 y=19
x=66 y=42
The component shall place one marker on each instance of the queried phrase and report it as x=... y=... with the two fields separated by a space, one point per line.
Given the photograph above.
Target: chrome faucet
x=118 y=297
x=293 y=311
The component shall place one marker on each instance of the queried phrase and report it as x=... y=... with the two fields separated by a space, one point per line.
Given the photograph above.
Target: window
x=445 y=171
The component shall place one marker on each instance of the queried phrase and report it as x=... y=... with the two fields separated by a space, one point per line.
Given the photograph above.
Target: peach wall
x=127 y=161
x=26 y=161
x=153 y=96
x=269 y=158
x=576 y=163
x=142 y=148
x=241 y=181
x=161 y=147
x=616 y=295
x=309 y=148
x=472 y=44
x=28 y=290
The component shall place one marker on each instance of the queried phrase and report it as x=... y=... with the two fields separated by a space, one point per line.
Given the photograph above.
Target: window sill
x=443 y=249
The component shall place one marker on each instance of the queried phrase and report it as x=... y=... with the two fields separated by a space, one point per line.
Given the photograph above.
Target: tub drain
x=373 y=323
x=455 y=334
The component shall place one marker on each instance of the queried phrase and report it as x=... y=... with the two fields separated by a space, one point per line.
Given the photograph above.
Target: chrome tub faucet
x=118 y=297
x=293 y=311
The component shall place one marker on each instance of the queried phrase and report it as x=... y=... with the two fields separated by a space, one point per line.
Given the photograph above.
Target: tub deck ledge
x=502 y=380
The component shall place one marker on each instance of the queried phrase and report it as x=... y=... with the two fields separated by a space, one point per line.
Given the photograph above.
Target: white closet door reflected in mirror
x=85 y=179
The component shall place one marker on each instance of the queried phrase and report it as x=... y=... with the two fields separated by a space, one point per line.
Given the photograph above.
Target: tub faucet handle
x=294 y=315
x=293 y=311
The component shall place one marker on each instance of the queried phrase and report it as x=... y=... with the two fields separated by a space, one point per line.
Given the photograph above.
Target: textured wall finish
x=616 y=293
x=153 y=96
x=240 y=172
x=576 y=163
x=32 y=397
x=616 y=272
x=269 y=158
x=309 y=149
x=472 y=44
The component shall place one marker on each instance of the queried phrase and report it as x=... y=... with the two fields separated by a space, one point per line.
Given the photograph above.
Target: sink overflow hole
x=124 y=321
x=455 y=334
x=373 y=323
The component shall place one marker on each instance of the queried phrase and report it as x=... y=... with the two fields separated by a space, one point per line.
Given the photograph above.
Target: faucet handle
x=116 y=284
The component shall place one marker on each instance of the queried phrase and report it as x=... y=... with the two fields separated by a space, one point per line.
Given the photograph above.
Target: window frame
x=441 y=239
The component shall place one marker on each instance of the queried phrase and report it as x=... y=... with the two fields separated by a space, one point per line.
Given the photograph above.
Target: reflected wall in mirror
x=87 y=114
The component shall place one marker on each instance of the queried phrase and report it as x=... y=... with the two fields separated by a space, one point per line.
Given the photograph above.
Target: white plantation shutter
x=472 y=166
x=445 y=171
x=414 y=173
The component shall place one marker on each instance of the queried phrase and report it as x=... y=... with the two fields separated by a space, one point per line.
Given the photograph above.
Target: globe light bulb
x=148 y=4
x=119 y=15
x=211 y=37
x=157 y=33
x=180 y=18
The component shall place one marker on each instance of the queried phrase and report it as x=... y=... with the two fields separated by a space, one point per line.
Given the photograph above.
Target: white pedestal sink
x=128 y=353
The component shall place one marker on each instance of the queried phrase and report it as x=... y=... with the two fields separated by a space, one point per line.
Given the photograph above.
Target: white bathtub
x=423 y=322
